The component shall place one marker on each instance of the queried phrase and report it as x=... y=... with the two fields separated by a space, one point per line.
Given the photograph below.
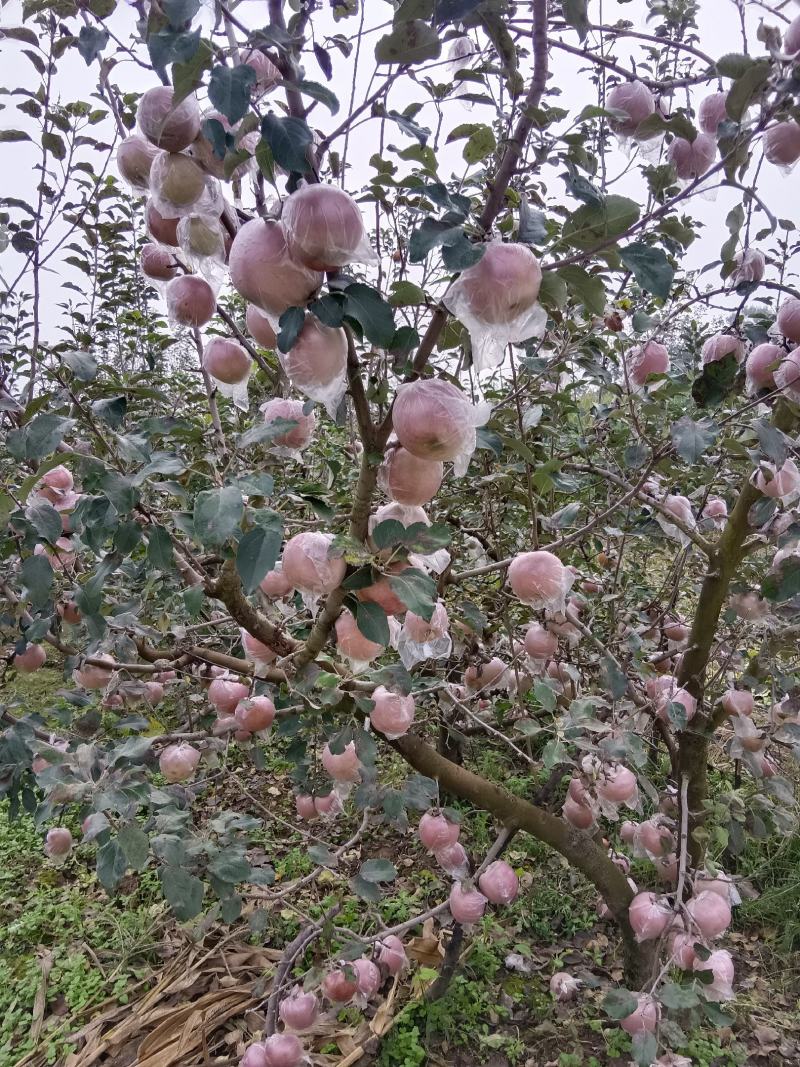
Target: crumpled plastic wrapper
x=209 y=201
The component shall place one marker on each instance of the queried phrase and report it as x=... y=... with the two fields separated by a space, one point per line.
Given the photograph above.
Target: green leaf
x=644 y=1048
x=650 y=267
x=45 y=520
x=91 y=42
x=416 y=590
x=771 y=441
x=480 y=144
x=453 y=10
x=39 y=437
x=179 y=12
x=217 y=514
x=54 y=143
x=290 y=324
x=576 y=16
x=746 y=87
x=323 y=856
x=111 y=410
x=183 y=892
x=532 y=228
x=614 y=681
x=378 y=871
x=691 y=439
x=229 y=90
x=783 y=583
x=135 y=844
x=372 y=622
x=430 y=234
x=588 y=288
x=82 y=364
x=594 y=223
x=319 y=92
x=734 y=65
x=461 y=253
x=159 y=548
x=37 y=577
x=368 y=891
x=406 y=294
x=368 y=308
x=289 y=140
x=715 y=382
x=229 y=865
x=677 y=996
x=187 y=72
x=410 y=42
x=619 y=1003
x=111 y=864
x=257 y=553
x=8 y=136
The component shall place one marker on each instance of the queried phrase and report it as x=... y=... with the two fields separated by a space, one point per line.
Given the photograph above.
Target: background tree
x=487 y=305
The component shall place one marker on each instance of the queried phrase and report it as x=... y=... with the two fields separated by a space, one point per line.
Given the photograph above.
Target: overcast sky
x=720 y=32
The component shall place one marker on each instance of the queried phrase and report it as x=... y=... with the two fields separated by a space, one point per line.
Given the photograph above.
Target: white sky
x=720 y=32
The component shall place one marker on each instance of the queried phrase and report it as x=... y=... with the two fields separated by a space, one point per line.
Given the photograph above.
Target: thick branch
x=578 y=847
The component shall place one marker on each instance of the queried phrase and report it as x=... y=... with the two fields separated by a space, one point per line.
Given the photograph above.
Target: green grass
x=99 y=946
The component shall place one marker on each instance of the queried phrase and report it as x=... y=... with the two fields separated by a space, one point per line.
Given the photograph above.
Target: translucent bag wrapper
x=420 y=640
x=191 y=301
x=435 y=420
x=201 y=239
x=229 y=366
x=316 y=365
x=682 y=509
x=408 y=515
x=324 y=228
x=294 y=428
x=179 y=186
x=496 y=300
x=540 y=580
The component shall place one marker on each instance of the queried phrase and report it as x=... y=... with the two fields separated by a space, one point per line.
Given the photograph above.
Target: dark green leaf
x=461 y=253
x=619 y=1003
x=91 y=42
x=229 y=865
x=368 y=891
x=575 y=15
x=45 y=520
x=644 y=1048
x=329 y=309
x=378 y=871
x=111 y=410
x=746 y=88
x=82 y=364
x=734 y=65
x=368 y=308
x=783 y=583
x=651 y=268
x=372 y=622
x=323 y=856
x=39 y=437
x=179 y=12
x=416 y=590
x=159 y=548
x=290 y=324
x=257 y=553
x=319 y=92
x=183 y=892
x=188 y=69
x=772 y=441
x=452 y=10
x=135 y=844
x=37 y=577
x=217 y=514
x=408 y=43
x=229 y=90
x=532 y=229
x=691 y=439
x=715 y=381
x=677 y=996
x=289 y=140
x=110 y=865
